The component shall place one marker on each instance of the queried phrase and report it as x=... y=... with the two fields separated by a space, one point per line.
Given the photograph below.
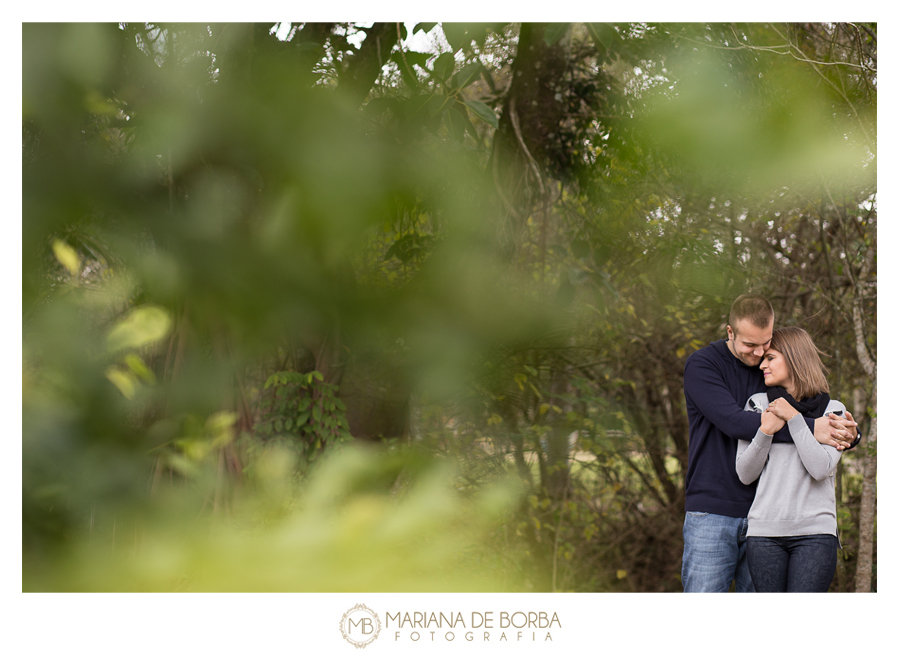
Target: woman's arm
x=752 y=455
x=819 y=460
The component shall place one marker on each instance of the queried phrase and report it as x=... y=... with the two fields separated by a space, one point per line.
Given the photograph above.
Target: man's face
x=748 y=342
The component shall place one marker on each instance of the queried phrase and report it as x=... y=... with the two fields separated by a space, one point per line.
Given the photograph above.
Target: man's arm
x=705 y=387
x=834 y=431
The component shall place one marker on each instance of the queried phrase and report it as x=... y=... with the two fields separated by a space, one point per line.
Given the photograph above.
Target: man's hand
x=835 y=431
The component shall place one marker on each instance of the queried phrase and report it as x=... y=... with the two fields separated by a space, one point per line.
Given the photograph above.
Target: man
x=718 y=381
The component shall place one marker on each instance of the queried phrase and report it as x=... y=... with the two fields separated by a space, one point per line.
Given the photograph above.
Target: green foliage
x=306 y=410
x=237 y=249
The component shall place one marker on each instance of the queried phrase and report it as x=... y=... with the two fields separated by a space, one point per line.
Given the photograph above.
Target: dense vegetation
x=298 y=301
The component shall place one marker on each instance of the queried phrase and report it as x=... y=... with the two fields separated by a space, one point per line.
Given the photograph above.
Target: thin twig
x=832 y=85
x=768 y=49
x=514 y=119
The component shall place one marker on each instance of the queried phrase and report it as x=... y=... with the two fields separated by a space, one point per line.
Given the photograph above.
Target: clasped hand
x=776 y=415
x=782 y=408
x=770 y=423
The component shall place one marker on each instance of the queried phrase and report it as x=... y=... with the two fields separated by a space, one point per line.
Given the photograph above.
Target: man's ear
x=730 y=332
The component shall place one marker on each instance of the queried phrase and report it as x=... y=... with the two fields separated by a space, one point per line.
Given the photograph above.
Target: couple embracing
x=765 y=439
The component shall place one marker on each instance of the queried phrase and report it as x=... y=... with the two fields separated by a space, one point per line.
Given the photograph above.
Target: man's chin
x=752 y=361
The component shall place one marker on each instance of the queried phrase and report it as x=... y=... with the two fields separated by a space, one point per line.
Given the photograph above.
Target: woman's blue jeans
x=715 y=553
x=792 y=564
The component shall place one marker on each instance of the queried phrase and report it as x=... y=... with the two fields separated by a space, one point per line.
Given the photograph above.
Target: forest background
x=299 y=300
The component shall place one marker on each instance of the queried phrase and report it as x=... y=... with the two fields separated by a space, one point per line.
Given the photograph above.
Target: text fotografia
x=481 y=626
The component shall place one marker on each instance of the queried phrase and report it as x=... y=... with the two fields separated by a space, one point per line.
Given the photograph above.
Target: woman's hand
x=770 y=422
x=783 y=409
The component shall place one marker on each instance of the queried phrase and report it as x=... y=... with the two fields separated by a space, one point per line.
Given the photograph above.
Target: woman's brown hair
x=802 y=356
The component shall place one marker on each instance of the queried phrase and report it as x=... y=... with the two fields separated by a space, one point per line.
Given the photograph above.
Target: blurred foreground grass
x=342 y=531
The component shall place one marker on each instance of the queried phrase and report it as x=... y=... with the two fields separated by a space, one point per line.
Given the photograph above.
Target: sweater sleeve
x=820 y=460
x=706 y=389
x=752 y=456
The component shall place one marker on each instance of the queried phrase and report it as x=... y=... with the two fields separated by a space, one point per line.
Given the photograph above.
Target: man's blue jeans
x=715 y=553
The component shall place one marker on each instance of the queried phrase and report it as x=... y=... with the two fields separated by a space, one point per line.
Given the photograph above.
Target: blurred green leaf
x=67 y=257
x=139 y=327
x=553 y=32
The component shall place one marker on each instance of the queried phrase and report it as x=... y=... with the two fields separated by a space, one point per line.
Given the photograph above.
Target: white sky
x=418 y=42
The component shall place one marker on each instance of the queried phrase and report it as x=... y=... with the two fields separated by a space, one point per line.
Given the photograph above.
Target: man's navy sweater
x=717 y=385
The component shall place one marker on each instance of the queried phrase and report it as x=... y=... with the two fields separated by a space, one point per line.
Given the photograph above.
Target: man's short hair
x=754 y=308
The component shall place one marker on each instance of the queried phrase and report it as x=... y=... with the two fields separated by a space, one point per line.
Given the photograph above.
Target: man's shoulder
x=711 y=352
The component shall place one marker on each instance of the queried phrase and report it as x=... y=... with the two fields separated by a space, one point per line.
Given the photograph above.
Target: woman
x=792 y=526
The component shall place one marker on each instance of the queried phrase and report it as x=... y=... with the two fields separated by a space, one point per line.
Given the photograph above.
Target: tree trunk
x=364 y=69
x=556 y=478
x=532 y=112
x=867 y=505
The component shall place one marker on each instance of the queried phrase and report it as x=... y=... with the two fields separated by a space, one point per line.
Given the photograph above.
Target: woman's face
x=775 y=369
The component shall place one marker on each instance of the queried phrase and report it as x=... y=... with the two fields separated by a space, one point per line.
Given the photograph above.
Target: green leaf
x=483 y=112
x=405 y=61
x=424 y=27
x=456 y=35
x=139 y=368
x=377 y=106
x=467 y=75
x=67 y=257
x=553 y=32
x=455 y=124
x=430 y=106
x=603 y=35
x=417 y=58
x=488 y=78
x=123 y=381
x=444 y=65
x=141 y=326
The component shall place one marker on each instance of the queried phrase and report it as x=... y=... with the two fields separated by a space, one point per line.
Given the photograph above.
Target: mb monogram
x=360 y=626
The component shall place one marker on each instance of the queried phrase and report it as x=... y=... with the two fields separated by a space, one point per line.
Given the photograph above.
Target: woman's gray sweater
x=795 y=495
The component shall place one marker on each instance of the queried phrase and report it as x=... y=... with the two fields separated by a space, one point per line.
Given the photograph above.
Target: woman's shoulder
x=835 y=407
x=757 y=403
